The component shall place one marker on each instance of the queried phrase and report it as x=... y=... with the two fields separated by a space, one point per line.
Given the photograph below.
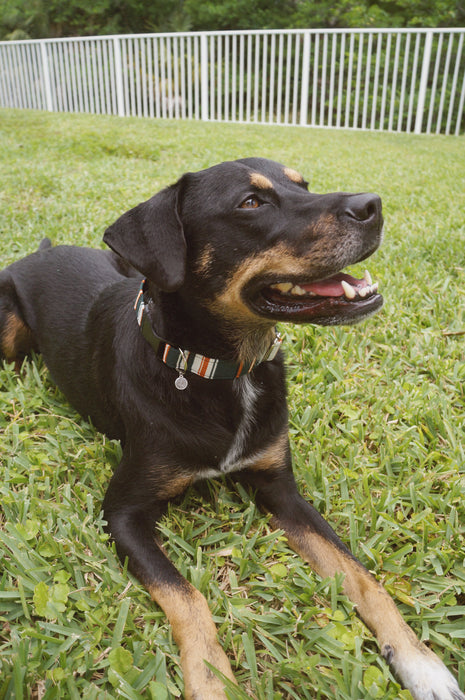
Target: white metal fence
x=393 y=80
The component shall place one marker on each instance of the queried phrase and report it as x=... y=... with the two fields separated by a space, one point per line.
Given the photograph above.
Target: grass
x=377 y=427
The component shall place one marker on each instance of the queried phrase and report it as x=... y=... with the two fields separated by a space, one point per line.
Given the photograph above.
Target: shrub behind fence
x=388 y=80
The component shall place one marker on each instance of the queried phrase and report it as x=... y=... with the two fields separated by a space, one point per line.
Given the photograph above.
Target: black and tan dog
x=187 y=372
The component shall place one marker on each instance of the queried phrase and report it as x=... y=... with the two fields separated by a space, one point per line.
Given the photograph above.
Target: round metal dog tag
x=181 y=382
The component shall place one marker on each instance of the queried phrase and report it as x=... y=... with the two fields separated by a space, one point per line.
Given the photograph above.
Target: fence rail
x=388 y=80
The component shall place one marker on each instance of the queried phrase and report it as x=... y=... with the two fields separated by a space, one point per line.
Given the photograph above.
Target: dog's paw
x=423 y=674
x=200 y=681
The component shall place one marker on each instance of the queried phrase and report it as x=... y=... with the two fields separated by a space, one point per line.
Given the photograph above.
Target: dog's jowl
x=168 y=343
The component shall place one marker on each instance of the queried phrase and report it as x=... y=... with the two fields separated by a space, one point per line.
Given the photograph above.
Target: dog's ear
x=151 y=238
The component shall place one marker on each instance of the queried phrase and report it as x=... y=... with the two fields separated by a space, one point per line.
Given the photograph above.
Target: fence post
x=47 y=81
x=423 y=82
x=305 y=77
x=118 y=76
x=204 y=77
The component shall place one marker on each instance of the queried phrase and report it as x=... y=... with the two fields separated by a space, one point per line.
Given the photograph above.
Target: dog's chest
x=239 y=454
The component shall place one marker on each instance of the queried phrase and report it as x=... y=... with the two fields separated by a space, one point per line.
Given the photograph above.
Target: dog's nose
x=363 y=207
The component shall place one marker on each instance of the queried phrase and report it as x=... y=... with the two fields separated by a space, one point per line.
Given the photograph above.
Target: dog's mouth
x=339 y=299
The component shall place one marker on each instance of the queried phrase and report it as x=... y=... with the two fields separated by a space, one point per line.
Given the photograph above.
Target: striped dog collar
x=187 y=361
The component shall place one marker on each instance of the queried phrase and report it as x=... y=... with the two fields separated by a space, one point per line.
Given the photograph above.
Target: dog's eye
x=251 y=203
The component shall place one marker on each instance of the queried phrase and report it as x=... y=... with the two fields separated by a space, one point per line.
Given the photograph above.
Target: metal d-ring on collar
x=187 y=361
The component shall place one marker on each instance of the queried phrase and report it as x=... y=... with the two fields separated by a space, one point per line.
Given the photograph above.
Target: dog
x=167 y=342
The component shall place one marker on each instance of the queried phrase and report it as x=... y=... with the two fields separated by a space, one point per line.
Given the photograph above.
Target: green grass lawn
x=377 y=420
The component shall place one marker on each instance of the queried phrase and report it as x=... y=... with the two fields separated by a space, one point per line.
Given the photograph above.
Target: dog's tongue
x=331 y=287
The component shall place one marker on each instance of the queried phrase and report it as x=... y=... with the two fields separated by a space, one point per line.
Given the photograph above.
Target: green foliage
x=239 y=14
x=20 y=19
x=377 y=418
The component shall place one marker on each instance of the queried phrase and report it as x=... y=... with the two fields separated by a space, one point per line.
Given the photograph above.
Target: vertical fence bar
x=56 y=76
x=157 y=74
x=385 y=81
x=176 y=74
x=403 y=84
x=423 y=82
x=204 y=77
x=358 y=80
x=211 y=86
x=181 y=77
x=197 y=97
x=256 y=77
x=374 y=108
x=241 y=77
x=89 y=77
x=249 y=78
x=150 y=80
x=349 y=80
x=444 y=84
x=108 y=76
x=3 y=78
x=394 y=83
x=460 y=107
x=172 y=78
x=305 y=79
x=434 y=84
x=316 y=63
x=46 y=74
x=454 y=85
x=162 y=80
x=75 y=82
x=272 y=79
x=189 y=90
x=23 y=75
x=168 y=79
x=264 y=75
x=323 y=80
x=143 y=71
x=99 y=81
x=288 y=79
x=331 y=79
x=11 y=75
x=340 y=80
x=280 y=80
x=20 y=76
x=226 y=77
x=28 y=75
x=68 y=78
x=234 y=79
x=219 y=70
x=31 y=76
x=413 y=102
x=366 y=90
x=296 y=79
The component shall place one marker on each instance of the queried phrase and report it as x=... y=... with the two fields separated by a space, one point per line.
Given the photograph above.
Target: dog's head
x=249 y=242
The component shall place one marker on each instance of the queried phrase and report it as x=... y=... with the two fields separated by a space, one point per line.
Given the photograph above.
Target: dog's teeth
x=364 y=291
x=367 y=278
x=349 y=291
x=374 y=288
x=283 y=287
x=296 y=289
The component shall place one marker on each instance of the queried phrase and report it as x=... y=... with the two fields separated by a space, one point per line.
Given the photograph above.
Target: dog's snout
x=363 y=207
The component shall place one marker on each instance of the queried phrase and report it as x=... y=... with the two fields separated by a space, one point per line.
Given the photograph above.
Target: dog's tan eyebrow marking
x=260 y=181
x=293 y=175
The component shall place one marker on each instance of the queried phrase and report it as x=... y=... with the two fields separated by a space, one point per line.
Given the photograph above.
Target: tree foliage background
x=23 y=19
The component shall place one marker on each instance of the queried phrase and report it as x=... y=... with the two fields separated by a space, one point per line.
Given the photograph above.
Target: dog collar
x=187 y=361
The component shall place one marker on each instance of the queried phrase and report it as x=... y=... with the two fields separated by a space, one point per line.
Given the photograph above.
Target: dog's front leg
x=132 y=515
x=417 y=668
